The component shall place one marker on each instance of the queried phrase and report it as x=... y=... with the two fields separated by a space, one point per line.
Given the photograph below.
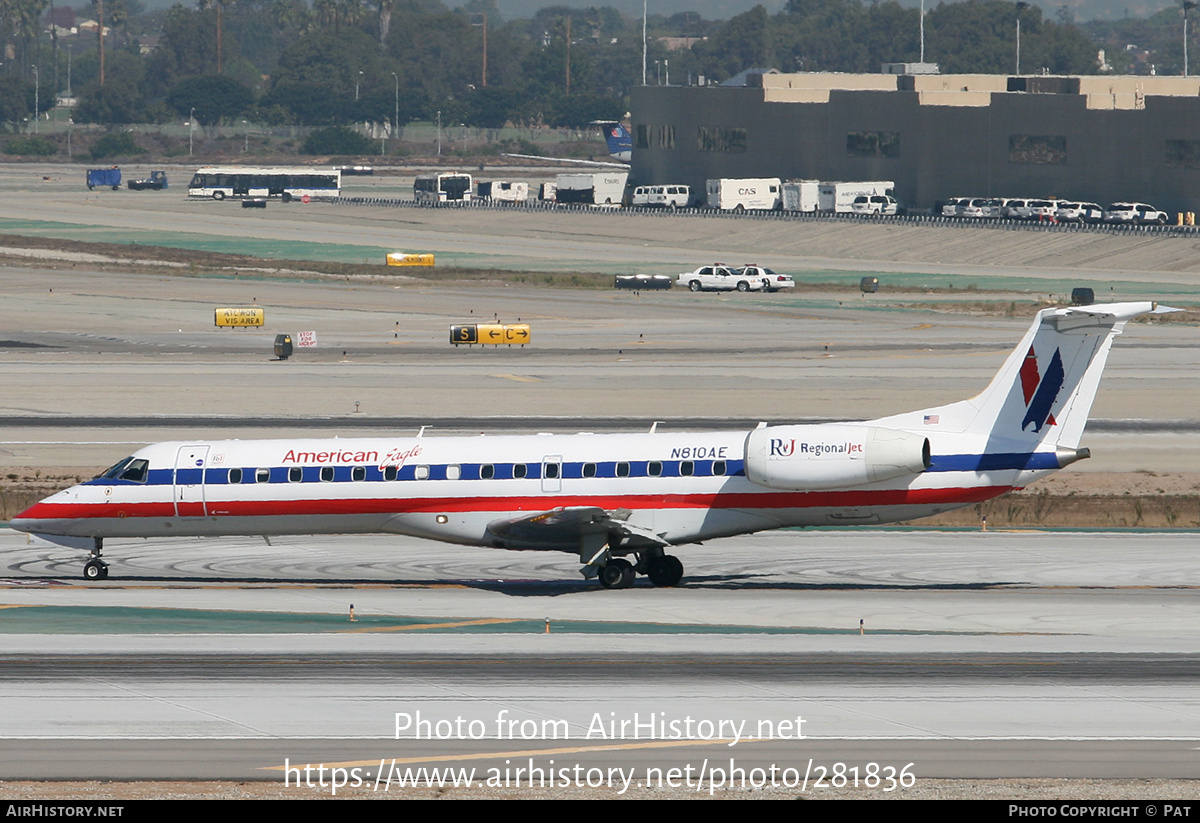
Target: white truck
x=606 y=188
x=802 y=195
x=503 y=191
x=839 y=197
x=742 y=194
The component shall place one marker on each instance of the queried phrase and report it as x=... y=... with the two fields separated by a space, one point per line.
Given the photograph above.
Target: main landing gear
x=662 y=569
x=95 y=568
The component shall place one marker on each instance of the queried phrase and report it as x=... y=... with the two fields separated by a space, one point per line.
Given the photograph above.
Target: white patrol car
x=719 y=277
x=1079 y=212
x=771 y=281
x=1138 y=213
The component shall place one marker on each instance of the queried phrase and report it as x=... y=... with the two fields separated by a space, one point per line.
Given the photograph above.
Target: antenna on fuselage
x=654 y=426
x=422 y=431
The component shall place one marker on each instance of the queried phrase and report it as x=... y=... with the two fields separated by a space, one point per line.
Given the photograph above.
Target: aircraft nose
x=33 y=519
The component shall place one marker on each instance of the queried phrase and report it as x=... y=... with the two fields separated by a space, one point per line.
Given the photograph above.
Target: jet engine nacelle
x=808 y=458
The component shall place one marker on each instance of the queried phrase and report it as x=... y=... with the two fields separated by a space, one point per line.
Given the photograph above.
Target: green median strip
x=33 y=619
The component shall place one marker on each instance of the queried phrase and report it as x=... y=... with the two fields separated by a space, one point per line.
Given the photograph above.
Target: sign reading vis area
x=240 y=317
x=490 y=334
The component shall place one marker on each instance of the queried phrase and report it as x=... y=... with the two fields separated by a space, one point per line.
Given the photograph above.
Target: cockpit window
x=114 y=471
x=136 y=471
x=128 y=469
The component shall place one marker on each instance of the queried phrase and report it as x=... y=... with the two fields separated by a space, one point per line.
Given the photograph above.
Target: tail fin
x=619 y=140
x=1044 y=391
x=1042 y=395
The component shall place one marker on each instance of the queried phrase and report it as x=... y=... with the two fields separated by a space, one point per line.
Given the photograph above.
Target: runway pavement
x=984 y=655
x=1056 y=654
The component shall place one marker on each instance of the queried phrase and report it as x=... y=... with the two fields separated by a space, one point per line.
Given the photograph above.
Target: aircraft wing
x=555 y=161
x=587 y=530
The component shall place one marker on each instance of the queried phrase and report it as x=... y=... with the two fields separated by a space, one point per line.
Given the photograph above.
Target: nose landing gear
x=95 y=568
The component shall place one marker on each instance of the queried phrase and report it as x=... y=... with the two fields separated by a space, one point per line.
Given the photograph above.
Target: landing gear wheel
x=665 y=571
x=617 y=574
x=95 y=570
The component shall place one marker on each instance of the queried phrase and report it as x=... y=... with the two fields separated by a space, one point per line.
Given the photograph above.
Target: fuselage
x=684 y=487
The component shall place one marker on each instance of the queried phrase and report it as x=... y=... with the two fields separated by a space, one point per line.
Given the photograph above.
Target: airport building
x=1098 y=138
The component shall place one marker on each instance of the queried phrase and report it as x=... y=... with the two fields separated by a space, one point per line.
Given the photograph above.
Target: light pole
x=439 y=134
x=1021 y=6
x=922 y=32
x=396 y=122
x=644 y=9
x=245 y=137
x=191 y=128
x=1188 y=5
x=357 y=80
x=483 y=69
x=37 y=87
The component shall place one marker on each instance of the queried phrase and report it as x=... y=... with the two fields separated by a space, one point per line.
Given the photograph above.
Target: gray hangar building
x=1099 y=138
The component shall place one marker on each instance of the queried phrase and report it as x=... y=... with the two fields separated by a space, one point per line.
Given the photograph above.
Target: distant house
x=91 y=27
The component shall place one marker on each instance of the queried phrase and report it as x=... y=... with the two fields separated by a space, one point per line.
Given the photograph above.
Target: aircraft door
x=189 y=481
x=552 y=473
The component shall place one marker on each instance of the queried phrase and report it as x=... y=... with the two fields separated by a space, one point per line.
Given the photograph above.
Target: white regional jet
x=618 y=501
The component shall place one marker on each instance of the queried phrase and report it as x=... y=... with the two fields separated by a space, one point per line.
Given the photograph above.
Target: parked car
x=875 y=204
x=1038 y=210
x=980 y=207
x=1138 y=213
x=718 y=277
x=1070 y=211
x=771 y=281
x=1011 y=206
x=953 y=206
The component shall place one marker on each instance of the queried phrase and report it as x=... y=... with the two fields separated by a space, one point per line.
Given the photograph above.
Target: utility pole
x=1188 y=5
x=100 y=32
x=1021 y=6
x=396 y=122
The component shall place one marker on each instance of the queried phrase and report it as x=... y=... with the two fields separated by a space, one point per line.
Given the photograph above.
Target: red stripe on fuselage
x=390 y=505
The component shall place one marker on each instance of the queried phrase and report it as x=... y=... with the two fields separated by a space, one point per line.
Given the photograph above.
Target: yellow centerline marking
x=482 y=622
x=520 y=378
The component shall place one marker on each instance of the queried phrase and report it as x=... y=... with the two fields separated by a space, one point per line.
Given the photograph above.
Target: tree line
x=339 y=62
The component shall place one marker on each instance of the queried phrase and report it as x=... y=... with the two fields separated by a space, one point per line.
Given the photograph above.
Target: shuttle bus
x=286 y=184
x=442 y=188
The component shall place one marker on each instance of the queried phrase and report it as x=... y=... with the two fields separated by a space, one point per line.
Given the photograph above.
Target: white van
x=666 y=197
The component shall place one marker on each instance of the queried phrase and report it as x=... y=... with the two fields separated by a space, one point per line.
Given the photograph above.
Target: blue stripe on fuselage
x=1000 y=461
